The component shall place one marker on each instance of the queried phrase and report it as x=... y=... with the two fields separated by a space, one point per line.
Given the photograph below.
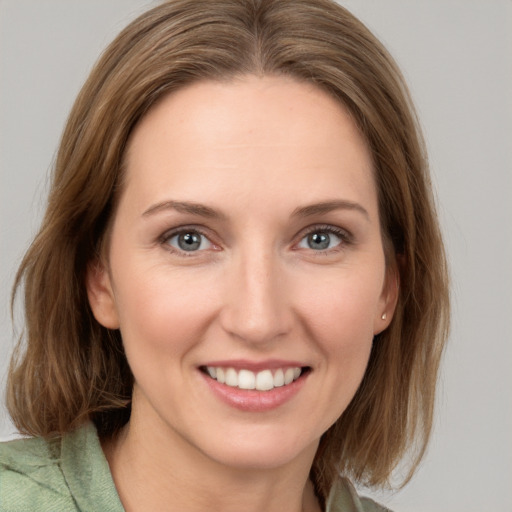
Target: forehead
x=270 y=135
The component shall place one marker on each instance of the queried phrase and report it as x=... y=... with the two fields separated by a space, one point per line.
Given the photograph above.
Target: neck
x=157 y=469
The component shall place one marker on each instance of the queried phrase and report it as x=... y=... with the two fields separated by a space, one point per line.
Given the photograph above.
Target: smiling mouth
x=264 y=380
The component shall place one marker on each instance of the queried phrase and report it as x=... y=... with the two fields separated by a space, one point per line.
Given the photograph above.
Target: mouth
x=263 y=380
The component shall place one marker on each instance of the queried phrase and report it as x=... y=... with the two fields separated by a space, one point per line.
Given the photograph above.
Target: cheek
x=161 y=314
x=339 y=316
x=342 y=306
x=340 y=320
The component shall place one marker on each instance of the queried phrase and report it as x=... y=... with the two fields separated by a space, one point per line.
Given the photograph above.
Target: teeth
x=264 y=380
x=246 y=379
x=279 y=378
x=231 y=377
x=288 y=376
x=220 y=375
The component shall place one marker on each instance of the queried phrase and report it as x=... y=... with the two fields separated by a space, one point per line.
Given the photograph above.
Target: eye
x=188 y=241
x=323 y=239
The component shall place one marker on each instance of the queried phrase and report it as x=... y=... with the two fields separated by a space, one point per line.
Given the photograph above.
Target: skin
x=255 y=151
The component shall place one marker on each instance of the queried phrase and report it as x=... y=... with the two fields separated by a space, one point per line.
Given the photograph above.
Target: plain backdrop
x=457 y=58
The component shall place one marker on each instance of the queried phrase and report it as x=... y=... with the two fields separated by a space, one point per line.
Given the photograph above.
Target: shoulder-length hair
x=69 y=369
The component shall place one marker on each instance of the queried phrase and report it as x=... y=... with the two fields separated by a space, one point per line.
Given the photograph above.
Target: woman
x=238 y=296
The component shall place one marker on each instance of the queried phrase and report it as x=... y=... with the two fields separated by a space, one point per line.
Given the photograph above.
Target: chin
x=253 y=448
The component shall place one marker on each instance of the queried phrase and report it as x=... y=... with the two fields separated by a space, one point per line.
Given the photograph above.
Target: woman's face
x=245 y=253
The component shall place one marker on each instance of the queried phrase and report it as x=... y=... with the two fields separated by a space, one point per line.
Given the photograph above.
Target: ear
x=388 y=300
x=101 y=295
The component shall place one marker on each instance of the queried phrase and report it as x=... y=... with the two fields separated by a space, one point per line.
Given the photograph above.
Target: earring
x=384 y=316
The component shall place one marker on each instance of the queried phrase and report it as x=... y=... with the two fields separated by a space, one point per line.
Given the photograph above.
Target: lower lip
x=253 y=400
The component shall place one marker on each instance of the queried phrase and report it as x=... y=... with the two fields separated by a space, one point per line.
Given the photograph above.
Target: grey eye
x=189 y=241
x=320 y=241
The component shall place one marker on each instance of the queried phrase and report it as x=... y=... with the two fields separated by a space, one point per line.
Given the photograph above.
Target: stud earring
x=384 y=316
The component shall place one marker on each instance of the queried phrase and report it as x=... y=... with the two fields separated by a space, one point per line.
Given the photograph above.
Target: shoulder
x=344 y=498
x=371 y=506
x=66 y=474
x=31 y=478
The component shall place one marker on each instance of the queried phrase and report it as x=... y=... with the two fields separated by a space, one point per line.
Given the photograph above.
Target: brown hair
x=72 y=369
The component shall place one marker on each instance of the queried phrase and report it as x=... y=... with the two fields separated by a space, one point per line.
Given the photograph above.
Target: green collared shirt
x=71 y=474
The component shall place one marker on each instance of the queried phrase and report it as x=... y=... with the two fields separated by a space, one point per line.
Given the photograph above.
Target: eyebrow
x=185 y=207
x=208 y=212
x=329 y=206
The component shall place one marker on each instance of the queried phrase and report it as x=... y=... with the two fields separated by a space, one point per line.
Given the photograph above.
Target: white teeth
x=220 y=376
x=279 y=378
x=288 y=376
x=246 y=379
x=264 y=380
x=231 y=377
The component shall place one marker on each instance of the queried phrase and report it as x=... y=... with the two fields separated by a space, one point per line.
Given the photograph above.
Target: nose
x=256 y=307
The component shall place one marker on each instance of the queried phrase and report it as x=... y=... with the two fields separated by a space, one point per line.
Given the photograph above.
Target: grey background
x=457 y=57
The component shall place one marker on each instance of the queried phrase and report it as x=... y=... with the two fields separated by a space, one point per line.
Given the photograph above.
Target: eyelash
x=345 y=237
x=168 y=235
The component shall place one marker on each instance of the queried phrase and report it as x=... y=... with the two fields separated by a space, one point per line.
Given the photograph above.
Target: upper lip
x=255 y=366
